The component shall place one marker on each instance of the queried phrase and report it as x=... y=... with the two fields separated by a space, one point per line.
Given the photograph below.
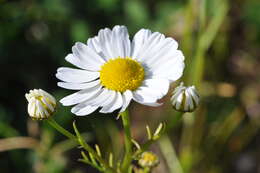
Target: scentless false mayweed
x=185 y=99
x=148 y=159
x=41 y=105
x=114 y=70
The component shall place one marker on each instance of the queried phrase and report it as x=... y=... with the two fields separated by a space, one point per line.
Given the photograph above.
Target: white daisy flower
x=41 y=105
x=185 y=99
x=113 y=70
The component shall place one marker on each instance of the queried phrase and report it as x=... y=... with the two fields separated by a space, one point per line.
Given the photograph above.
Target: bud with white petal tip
x=41 y=105
x=185 y=99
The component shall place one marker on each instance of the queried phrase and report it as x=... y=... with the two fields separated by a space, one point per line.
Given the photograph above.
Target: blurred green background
x=220 y=40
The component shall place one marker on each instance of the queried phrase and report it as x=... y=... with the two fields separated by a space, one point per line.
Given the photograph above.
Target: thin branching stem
x=92 y=152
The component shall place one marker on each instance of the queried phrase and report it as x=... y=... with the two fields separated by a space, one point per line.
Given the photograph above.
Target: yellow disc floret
x=122 y=74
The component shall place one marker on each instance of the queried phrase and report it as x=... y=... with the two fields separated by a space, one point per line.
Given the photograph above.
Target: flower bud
x=41 y=105
x=148 y=159
x=159 y=131
x=185 y=99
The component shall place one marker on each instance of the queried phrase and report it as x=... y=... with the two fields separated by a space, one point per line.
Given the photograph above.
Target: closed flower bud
x=185 y=99
x=41 y=105
x=148 y=159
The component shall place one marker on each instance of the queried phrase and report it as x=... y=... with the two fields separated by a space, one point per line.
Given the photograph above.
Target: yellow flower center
x=122 y=74
x=149 y=157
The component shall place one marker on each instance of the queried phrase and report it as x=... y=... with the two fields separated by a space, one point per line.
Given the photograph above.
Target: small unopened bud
x=41 y=105
x=185 y=99
x=158 y=132
x=148 y=159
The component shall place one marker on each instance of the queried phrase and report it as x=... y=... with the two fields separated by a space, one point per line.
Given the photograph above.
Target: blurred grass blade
x=170 y=155
x=18 y=143
x=204 y=42
x=111 y=160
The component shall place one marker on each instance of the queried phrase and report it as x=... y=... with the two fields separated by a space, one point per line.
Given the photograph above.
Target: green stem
x=174 y=120
x=82 y=142
x=128 y=142
x=63 y=131
x=147 y=170
x=90 y=150
x=66 y=133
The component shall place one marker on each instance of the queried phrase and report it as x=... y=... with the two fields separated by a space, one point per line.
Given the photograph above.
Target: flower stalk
x=59 y=128
x=128 y=141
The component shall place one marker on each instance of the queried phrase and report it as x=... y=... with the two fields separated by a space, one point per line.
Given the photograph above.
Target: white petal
x=127 y=97
x=45 y=94
x=193 y=93
x=27 y=96
x=104 y=36
x=144 y=95
x=107 y=104
x=115 y=104
x=77 y=62
x=87 y=56
x=149 y=45
x=179 y=101
x=159 y=55
x=151 y=91
x=114 y=43
x=189 y=103
x=75 y=75
x=78 y=86
x=31 y=108
x=159 y=52
x=39 y=111
x=174 y=56
x=171 y=67
x=159 y=85
x=81 y=96
x=120 y=42
x=154 y=104
x=177 y=95
x=82 y=111
x=94 y=44
x=98 y=100
x=138 y=41
x=110 y=94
